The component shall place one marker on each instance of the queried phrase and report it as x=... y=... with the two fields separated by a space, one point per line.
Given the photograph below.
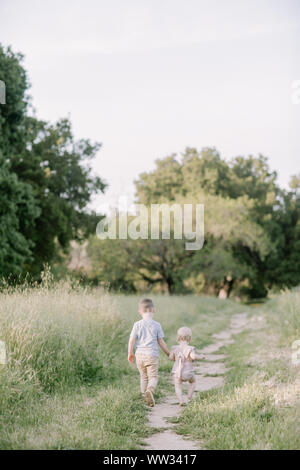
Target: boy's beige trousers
x=148 y=369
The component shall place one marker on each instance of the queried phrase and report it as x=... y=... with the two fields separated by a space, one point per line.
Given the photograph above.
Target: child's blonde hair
x=146 y=305
x=184 y=334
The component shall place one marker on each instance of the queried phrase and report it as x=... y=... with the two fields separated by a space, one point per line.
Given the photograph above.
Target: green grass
x=259 y=406
x=68 y=385
x=110 y=417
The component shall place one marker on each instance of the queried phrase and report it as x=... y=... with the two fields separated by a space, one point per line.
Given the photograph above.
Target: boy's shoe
x=149 y=398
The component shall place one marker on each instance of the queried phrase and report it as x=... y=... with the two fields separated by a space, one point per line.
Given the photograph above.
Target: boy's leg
x=152 y=373
x=178 y=389
x=140 y=362
x=191 y=387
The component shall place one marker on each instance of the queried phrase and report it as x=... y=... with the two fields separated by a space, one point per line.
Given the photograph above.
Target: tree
x=126 y=265
x=18 y=210
x=162 y=184
x=13 y=113
x=53 y=167
x=58 y=169
x=111 y=263
x=239 y=198
x=167 y=263
x=283 y=265
x=230 y=233
x=205 y=171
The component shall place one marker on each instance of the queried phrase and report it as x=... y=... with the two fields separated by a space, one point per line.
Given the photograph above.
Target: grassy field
x=67 y=383
x=259 y=406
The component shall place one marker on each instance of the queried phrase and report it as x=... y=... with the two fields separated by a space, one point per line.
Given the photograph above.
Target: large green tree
x=13 y=112
x=167 y=262
x=283 y=266
x=51 y=169
x=59 y=171
x=195 y=174
x=251 y=228
x=18 y=207
x=18 y=211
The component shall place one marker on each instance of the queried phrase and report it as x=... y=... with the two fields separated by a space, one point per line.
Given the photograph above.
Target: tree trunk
x=171 y=285
x=226 y=289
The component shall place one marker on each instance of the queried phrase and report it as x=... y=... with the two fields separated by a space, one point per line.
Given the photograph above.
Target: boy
x=149 y=335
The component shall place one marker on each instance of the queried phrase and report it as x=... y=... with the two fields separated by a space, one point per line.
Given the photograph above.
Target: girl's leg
x=178 y=389
x=191 y=388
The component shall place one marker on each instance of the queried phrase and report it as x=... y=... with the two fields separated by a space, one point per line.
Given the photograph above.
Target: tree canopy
x=251 y=226
x=46 y=179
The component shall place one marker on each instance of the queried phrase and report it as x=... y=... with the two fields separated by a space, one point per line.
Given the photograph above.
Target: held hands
x=171 y=356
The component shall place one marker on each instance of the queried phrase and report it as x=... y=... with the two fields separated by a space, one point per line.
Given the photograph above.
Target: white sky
x=149 y=77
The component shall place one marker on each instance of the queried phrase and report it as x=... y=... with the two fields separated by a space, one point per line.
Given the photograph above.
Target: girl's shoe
x=149 y=398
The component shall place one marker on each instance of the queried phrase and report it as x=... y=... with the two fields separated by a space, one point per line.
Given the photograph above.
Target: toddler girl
x=183 y=370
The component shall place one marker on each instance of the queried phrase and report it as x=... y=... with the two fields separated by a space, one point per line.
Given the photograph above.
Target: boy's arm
x=172 y=356
x=130 y=349
x=163 y=346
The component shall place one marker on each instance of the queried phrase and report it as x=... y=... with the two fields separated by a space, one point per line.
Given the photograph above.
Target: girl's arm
x=196 y=357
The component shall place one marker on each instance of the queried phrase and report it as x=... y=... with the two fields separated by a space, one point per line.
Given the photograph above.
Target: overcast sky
x=149 y=77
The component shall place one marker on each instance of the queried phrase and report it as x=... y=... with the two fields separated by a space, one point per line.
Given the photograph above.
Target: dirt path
x=208 y=376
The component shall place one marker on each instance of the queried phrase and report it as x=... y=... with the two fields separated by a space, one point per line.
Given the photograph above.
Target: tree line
x=252 y=228
x=46 y=180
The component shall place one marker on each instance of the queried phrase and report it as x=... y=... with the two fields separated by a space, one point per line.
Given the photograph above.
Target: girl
x=183 y=370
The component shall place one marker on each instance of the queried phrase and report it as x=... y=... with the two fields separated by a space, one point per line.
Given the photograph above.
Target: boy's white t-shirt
x=147 y=332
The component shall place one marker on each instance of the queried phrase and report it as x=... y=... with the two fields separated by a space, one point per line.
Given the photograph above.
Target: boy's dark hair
x=146 y=305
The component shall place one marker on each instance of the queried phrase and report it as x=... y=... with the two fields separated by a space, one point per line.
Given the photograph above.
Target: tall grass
x=56 y=337
x=67 y=383
x=259 y=407
x=283 y=315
